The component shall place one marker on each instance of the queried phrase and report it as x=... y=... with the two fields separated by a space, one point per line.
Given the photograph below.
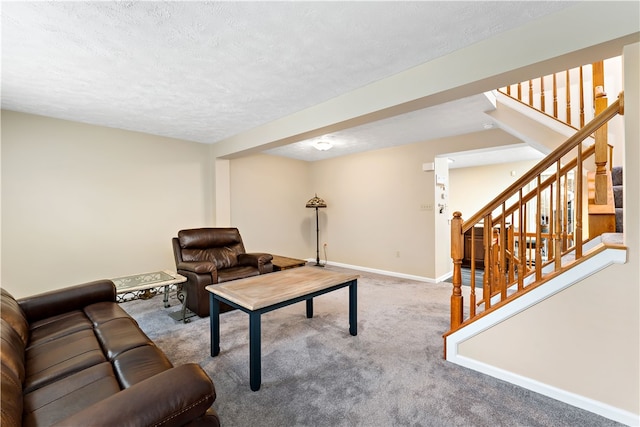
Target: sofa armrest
x=67 y=299
x=174 y=397
x=200 y=267
x=256 y=259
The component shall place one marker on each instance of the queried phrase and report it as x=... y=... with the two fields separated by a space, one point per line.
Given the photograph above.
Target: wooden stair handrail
x=615 y=108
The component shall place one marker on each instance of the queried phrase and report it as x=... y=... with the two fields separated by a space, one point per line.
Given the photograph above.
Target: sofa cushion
x=54 y=402
x=176 y=397
x=237 y=273
x=202 y=238
x=72 y=298
x=219 y=246
x=221 y=257
x=120 y=335
x=53 y=328
x=138 y=364
x=103 y=312
x=11 y=312
x=59 y=358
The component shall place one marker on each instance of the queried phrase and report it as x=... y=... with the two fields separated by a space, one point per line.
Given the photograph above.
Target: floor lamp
x=316 y=202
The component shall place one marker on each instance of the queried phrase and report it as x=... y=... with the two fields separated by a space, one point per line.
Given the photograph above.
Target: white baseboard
x=582 y=402
x=386 y=272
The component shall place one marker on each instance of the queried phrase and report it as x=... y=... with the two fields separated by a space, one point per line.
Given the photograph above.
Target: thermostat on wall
x=428 y=167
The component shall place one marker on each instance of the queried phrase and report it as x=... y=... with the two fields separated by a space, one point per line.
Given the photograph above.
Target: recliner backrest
x=220 y=246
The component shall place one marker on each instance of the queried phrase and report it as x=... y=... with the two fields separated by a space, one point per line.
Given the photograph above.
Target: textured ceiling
x=453 y=118
x=205 y=71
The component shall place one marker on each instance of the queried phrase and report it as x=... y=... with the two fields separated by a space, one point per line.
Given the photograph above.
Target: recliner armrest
x=200 y=267
x=67 y=299
x=171 y=398
x=255 y=259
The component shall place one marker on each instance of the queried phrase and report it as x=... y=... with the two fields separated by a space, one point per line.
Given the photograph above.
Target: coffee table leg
x=183 y=291
x=309 y=308
x=255 y=368
x=353 y=308
x=165 y=300
x=214 y=323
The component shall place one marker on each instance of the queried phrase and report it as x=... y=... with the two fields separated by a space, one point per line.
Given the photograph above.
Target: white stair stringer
x=593 y=264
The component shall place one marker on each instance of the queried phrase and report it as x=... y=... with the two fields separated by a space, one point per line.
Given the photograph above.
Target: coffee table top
x=144 y=281
x=254 y=293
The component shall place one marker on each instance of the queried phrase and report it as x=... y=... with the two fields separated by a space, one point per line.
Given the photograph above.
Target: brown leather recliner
x=207 y=256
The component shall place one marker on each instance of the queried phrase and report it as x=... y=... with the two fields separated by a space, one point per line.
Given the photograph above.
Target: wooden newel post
x=600 y=103
x=457 y=253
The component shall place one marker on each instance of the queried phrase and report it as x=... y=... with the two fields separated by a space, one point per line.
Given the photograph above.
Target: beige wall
x=82 y=202
x=373 y=218
x=486 y=183
x=268 y=196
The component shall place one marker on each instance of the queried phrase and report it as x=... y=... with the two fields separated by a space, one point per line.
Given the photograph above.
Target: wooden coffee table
x=260 y=294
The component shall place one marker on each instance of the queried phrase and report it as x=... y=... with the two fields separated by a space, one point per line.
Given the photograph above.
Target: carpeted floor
x=314 y=373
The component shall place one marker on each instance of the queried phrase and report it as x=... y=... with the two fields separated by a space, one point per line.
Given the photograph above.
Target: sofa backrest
x=14 y=334
x=12 y=313
x=220 y=246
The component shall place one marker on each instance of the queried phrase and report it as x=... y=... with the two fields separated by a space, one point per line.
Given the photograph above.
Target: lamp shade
x=316 y=202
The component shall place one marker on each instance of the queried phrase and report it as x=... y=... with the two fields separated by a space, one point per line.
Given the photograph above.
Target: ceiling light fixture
x=322 y=145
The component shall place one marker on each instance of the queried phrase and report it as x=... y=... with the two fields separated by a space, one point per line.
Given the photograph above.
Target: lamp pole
x=318 y=241
x=316 y=202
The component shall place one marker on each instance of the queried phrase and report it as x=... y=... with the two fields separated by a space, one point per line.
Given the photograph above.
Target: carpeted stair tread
x=619 y=227
x=616 y=178
x=617 y=195
x=616 y=175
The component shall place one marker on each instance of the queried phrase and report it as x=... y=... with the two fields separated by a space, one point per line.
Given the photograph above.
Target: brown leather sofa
x=73 y=357
x=207 y=256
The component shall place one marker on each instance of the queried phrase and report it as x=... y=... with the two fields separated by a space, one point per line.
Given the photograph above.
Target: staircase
x=535 y=227
x=533 y=230
x=535 y=248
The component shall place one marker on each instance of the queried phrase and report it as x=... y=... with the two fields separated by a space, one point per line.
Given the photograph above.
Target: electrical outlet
x=426 y=207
